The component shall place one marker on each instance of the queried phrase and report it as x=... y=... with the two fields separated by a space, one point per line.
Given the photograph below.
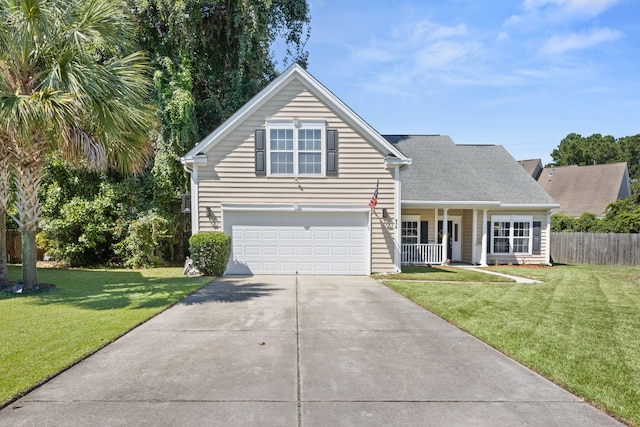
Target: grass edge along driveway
x=44 y=333
x=579 y=328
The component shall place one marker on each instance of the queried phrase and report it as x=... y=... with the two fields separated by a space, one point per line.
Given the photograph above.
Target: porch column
x=548 y=233
x=483 y=248
x=397 y=213
x=445 y=235
x=435 y=226
x=474 y=237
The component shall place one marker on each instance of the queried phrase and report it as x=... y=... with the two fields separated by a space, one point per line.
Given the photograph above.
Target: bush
x=148 y=237
x=210 y=252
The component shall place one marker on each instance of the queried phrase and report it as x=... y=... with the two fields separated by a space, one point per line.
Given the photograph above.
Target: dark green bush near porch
x=210 y=252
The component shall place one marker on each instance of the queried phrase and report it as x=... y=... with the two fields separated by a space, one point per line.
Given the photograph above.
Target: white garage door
x=302 y=243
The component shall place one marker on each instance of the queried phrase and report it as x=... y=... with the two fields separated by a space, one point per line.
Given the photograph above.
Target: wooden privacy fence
x=595 y=248
x=14 y=248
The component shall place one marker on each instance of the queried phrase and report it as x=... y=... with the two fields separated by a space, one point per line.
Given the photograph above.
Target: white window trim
x=410 y=218
x=296 y=124
x=511 y=219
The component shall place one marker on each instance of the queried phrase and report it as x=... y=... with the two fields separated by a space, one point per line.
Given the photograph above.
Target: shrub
x=148 y=237
x=210 y=252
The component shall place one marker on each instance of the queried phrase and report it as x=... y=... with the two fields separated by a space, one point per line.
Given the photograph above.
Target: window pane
x=521 y=231
x=281 y=162
x=309 y=140
x=281 y=139
x=409 y=232
x=501 y=231
x=501 y=245
x=310 y=163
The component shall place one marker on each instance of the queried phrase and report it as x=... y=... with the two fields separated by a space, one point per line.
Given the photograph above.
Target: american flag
x=374 y=199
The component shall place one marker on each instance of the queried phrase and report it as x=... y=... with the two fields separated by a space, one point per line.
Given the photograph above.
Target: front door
x=454 y=246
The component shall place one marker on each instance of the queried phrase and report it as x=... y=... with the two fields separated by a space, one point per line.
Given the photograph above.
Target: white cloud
x=416 y=52
x=373 y=54
x=554 y=11
x=561 y=44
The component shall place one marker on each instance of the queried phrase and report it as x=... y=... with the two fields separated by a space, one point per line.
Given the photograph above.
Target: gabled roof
x=296 y=72
x=581 y=189
x=465 y=175
x=532 y=166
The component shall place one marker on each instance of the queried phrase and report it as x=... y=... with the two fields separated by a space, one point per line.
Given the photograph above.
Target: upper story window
x=296 y=147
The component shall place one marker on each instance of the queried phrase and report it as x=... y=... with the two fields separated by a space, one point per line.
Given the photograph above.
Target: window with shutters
x=296 y=147
x=511 y=234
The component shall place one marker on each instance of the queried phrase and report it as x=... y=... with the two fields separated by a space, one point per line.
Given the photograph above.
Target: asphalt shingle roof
x=445 y=172
x=581 y=189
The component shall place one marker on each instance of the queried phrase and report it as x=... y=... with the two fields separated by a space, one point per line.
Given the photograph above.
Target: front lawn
x=43 y=333
x=581 y=328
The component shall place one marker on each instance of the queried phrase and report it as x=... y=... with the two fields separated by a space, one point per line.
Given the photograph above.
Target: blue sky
x=522 y=74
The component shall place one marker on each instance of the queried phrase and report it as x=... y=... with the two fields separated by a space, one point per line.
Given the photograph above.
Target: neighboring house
x=580 y=189
x=532 y=166
x=291 y=174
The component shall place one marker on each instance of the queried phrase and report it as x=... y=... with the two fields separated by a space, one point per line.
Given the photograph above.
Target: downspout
x=548 y=232
x=397 y=255
x=193 y=180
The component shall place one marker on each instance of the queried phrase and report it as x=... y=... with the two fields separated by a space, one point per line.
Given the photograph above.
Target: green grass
x=44 y=333
x=581 y=328
x=437 y=274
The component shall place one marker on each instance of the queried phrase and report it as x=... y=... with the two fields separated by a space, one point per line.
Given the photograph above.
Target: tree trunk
x=29 y=170
x=3 y=247
x=29 y=251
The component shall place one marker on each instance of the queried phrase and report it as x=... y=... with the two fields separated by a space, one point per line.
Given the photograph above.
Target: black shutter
x=424 y=232
x=489 y=234
x=332 y=151
x=260 y=145
x=537 y=237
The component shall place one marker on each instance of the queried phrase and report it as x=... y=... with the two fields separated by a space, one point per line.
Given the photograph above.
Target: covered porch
x=473 y=233
x=438 y=235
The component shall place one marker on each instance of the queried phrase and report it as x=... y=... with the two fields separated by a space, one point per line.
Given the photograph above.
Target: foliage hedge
x=210 y=252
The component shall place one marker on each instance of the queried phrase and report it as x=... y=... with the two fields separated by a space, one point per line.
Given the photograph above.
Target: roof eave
x=480 y=204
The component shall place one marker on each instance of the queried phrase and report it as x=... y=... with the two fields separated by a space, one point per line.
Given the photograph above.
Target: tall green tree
x=69 y=83
x=596 y=149
x=209 y=57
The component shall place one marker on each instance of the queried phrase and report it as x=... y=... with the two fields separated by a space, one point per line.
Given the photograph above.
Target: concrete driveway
x=291 y=351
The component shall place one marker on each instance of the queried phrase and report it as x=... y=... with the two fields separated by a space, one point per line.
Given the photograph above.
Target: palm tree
x=67 y=84
x=5 y=184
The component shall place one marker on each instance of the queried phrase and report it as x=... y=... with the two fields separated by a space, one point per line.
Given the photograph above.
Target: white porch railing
x=421 y=254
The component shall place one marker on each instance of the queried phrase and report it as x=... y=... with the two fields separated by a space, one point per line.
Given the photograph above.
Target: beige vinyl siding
x=229 y=177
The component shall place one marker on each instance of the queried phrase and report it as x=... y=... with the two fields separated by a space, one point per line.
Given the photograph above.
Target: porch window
x=410 y=232
x=511 y=234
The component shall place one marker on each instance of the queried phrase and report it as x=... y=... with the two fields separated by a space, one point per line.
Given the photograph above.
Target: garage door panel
x=303 y=243
x=323 y=235
x=356 y=250
x=340 y=234
x=340 y=250
x=270 y=235
x=323 y=251
x=287 y=234
x=287 y=250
